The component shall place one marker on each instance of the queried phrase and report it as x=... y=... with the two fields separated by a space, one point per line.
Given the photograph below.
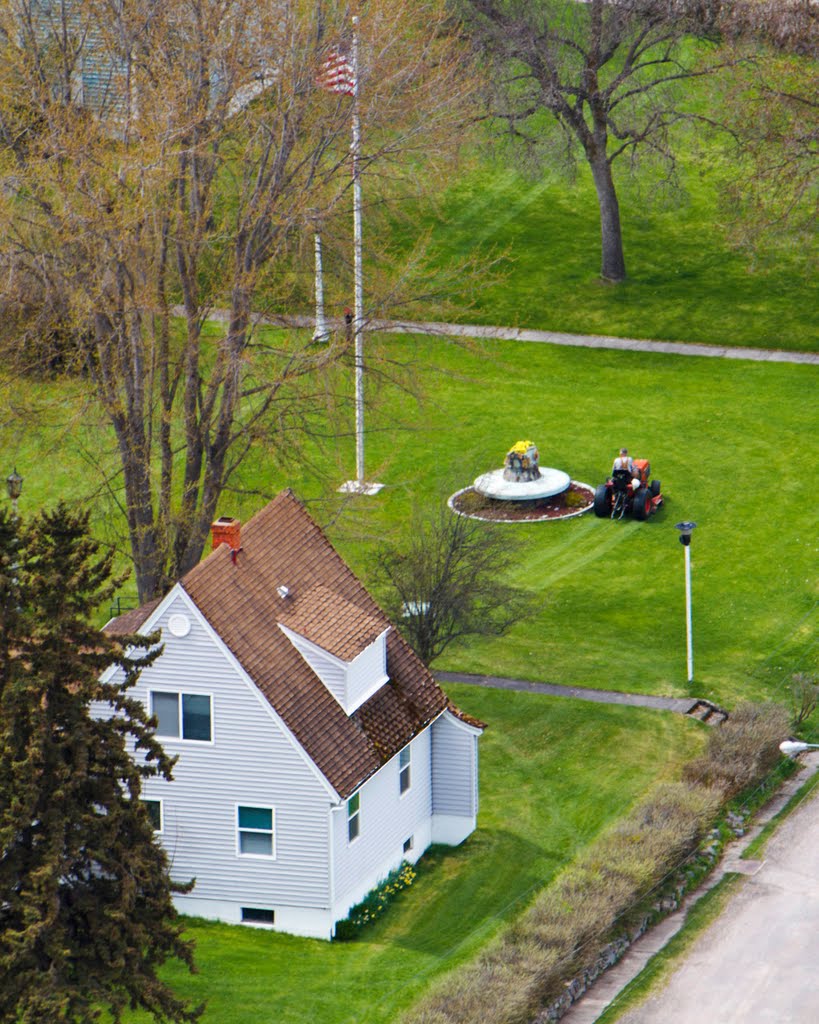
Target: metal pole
x=358 y=304
x=320 y=332
x=688 y=634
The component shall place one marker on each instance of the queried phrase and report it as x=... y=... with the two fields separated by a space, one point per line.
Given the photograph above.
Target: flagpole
x=358 y=305
x=358 y=485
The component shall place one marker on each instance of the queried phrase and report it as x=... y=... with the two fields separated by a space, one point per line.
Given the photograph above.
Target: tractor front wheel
x=655 y=488
x=602 y=502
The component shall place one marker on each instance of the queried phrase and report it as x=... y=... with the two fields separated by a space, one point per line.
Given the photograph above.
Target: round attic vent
x=179 y=625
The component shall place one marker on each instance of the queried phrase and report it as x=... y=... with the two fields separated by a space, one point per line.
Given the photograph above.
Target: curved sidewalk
x=682 y=705
x=678 y=348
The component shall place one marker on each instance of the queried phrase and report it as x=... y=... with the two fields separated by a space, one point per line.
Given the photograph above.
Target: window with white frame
x=186 y=716
x=154 y=809
x=404 y=778
x=255 y=827
x=353 y=817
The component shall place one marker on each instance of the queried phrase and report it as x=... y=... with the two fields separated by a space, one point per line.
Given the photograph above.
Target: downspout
x=332 y=864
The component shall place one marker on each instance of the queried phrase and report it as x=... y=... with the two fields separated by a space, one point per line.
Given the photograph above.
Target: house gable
x=248 y=765
x=181 y=606
x=285 y=573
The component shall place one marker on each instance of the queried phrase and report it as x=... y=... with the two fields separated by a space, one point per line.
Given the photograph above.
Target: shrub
x=580 y=924
x=742 y=751
x=565 y=930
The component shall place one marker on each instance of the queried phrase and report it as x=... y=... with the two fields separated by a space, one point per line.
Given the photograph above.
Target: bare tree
x=159 y=158
x=607 y=71
x=447 y=584
x=773 y=108
x=804 y=696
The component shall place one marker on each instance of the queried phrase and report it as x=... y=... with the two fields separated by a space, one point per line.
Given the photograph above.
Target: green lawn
x=553 y=773
x=731 y=441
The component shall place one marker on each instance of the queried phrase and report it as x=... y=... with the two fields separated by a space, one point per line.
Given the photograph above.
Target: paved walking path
x=642 y=700
x=757 y=964
x=679 y=348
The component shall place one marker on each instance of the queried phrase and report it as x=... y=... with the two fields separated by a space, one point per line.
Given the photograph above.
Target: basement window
x=255 y=915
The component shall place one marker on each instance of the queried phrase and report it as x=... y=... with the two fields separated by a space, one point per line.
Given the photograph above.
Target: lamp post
x=14 y=486
x=686 y=529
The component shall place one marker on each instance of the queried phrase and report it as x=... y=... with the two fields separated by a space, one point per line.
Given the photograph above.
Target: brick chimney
x=226 y=530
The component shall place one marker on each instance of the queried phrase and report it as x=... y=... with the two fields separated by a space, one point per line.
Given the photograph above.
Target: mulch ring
x=574 y=501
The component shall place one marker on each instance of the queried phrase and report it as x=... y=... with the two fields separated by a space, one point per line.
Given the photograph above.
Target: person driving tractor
x=623 y=463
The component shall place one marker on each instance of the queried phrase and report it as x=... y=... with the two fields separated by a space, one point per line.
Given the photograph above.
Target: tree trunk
x=613 y=266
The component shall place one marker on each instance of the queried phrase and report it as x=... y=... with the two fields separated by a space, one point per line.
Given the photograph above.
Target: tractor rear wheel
x=602 y=502
x=641 y=509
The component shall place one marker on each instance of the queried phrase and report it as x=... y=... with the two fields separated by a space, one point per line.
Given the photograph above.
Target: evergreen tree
x=86 y=916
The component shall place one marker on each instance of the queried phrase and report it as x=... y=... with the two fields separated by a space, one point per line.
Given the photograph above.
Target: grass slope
x=729 y=440
x=686 y=282
x=552 y=775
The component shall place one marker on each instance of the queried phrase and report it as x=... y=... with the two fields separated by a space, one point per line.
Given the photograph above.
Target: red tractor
x=626 y=493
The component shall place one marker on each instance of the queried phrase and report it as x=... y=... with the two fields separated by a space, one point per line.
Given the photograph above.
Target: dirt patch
x=574 y=501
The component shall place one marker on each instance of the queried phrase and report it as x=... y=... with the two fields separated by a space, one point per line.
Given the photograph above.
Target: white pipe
x=320 y=332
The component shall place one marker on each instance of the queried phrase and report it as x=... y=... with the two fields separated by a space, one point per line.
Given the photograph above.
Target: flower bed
x=577 y=499
x=375 y=902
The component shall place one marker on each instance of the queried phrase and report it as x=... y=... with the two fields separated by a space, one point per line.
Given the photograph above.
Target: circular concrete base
x=550 y=482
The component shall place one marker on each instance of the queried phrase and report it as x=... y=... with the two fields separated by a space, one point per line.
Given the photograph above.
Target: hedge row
x=609 y=890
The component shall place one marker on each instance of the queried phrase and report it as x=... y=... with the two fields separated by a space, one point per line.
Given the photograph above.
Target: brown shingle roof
x=130 y=621
x=331 y=621
x=282 y=546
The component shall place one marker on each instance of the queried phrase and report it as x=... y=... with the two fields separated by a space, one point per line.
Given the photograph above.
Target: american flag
x=337 y=74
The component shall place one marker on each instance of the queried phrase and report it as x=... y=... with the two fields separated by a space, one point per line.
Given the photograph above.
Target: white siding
x=367 y=673
x=388 y=819
x=454 y=779
x=252 y=761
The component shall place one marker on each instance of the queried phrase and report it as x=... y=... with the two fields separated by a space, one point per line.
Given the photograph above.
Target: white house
x=316 y=752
